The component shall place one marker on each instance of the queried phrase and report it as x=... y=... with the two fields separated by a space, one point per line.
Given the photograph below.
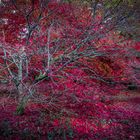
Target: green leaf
x=40 y=77
x=20 y=110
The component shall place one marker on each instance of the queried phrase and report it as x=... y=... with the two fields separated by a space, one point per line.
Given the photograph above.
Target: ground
x=116 y=118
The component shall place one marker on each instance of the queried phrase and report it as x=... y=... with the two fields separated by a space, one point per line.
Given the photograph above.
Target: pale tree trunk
x=22 y=101
x=20 y=76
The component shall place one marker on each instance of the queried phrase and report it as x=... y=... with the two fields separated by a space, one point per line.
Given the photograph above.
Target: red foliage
x=78 y=91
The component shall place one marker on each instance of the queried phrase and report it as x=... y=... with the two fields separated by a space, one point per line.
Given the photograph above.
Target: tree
x=69 y=50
